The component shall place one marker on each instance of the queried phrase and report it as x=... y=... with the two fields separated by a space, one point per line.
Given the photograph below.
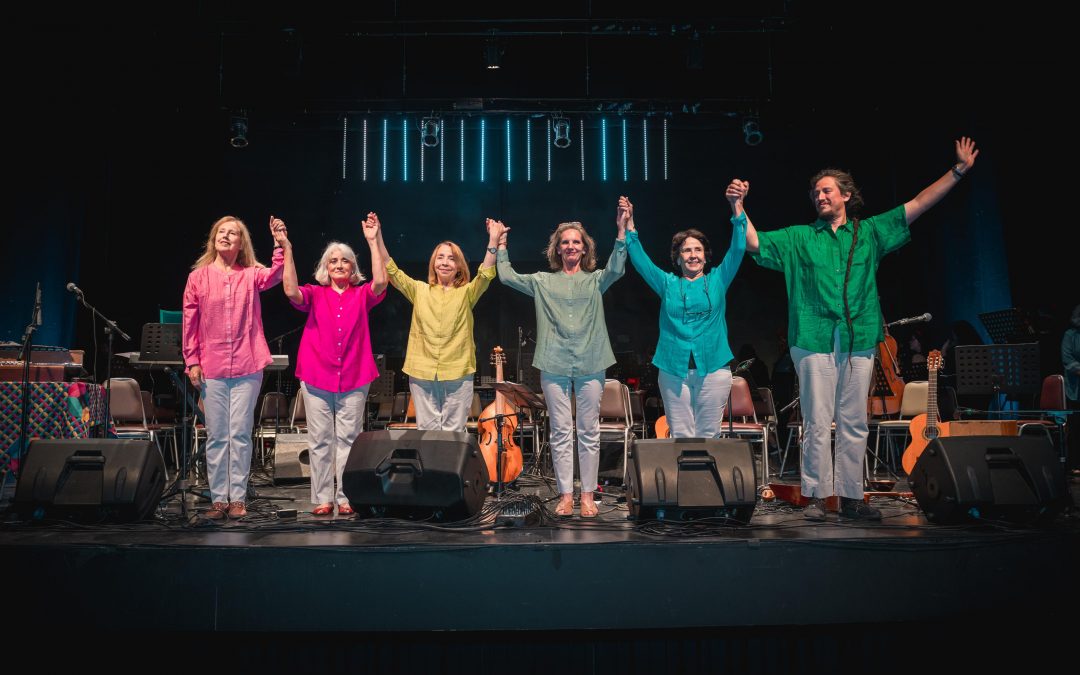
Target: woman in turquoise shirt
x=572 y=348
x=693 y=353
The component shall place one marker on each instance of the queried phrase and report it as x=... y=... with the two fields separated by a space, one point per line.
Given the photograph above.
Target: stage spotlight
x=238 y=128
x=561 y=127
x=493 y=53
x=429 y=132
x=752 y=132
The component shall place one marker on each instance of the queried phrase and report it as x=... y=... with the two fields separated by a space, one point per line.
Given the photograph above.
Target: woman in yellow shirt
x=441 y=356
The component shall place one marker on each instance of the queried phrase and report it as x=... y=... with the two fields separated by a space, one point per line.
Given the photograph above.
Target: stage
x=559 y=580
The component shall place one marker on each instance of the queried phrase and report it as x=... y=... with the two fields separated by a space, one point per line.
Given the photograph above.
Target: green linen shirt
x=441 y=345
x=571 y=332
x=813 y=259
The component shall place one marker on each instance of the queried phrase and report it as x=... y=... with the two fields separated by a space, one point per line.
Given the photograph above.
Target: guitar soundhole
x=930 y=434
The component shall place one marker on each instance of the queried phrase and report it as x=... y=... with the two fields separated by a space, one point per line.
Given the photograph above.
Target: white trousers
x=833 y=388
x=441 y=404
x=695 y=404
x=229 y=405
x=334 y=420
x=587 y=392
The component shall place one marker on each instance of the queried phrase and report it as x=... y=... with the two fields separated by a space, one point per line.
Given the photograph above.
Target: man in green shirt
x=834 y=319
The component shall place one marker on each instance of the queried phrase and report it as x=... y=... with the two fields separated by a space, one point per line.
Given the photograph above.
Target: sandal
x=565 y=507
x=237 y=510
x=345 y=510
x=322 y=510
x=588 y=507
x=216 y=512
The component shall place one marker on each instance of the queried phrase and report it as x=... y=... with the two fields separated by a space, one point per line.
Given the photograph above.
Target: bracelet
x=957 y=172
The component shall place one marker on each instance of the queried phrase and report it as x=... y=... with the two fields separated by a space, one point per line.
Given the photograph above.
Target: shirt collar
x=821 y=224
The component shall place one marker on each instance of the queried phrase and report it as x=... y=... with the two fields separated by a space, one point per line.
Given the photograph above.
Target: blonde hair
x=323 y=277
x=246 y=257
x=588 y=258
x=462 y=277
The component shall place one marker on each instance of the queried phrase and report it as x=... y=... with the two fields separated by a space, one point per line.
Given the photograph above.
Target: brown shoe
x=237 y=510
x=216 y=512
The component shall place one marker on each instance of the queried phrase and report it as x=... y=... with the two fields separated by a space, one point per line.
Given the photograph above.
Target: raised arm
x=653 y=275
x=736 y=194
x=397 y=277
x=965 y=159
x=288 y=279
x=507 y=275
x=268 y=277
x=373 y=234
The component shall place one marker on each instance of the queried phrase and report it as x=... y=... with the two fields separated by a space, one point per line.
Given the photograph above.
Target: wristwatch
x=494 y=250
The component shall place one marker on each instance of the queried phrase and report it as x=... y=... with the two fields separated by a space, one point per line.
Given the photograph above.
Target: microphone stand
x=110 y=328
x=27 y=353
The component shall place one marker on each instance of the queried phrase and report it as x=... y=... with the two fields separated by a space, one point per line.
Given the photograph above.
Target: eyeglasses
x=692 y=317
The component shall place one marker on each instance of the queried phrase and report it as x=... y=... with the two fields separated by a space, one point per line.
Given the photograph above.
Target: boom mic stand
x=110 y=328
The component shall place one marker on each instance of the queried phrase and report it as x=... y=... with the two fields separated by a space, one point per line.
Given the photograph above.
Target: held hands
x=496 y=232
x=279 y=232
x=965 y=154
x=736 y=192
x=371 y=226
x=624 y=215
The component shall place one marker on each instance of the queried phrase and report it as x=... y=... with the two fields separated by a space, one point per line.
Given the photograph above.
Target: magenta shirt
x=223 y=330
x=335 y=350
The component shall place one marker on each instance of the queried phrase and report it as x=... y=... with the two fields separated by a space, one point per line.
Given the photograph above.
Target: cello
x=496 y=432
x=887 y=371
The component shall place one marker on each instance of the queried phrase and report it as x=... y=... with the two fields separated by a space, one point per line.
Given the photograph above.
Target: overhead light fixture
x=561 y=127
x=493 y=53
x=429 y=132
x=751 y=129
x=238 y=128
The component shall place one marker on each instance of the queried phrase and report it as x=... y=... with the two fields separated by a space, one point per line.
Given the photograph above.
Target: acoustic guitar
x=926 y=427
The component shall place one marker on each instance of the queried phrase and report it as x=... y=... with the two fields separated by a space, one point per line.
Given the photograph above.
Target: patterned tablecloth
x=57 y=410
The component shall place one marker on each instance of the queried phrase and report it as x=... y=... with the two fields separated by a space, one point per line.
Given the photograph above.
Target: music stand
x=160 y=344
x=522 y=397
x=1007 y=326
x=1009 y=369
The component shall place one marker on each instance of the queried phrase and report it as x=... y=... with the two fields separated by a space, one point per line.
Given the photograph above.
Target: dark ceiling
x=630 y=56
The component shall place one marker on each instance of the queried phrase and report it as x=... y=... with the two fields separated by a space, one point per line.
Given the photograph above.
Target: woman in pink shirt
x=225 y=351
x=335 y=365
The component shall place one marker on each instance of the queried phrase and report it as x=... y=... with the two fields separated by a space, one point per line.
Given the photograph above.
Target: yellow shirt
x=441 y=345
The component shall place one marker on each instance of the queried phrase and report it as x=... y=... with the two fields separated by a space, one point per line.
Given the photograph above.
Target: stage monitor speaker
x=691 y=479
x=408 y=473
x=965 y=478
x=90 y=480
x=292 y=459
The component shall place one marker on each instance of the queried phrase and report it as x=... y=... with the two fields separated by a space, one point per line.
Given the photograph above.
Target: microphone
x=922 y=318
x=74 y=289
x=37 y=305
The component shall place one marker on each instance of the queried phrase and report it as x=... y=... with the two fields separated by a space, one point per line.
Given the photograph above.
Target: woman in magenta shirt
x=225 y=352
x=335 y=365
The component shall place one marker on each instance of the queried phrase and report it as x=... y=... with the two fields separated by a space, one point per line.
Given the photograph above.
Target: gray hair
x=323 y=277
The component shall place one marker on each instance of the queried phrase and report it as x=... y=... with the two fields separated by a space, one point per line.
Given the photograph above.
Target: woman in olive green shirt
x=441 y=357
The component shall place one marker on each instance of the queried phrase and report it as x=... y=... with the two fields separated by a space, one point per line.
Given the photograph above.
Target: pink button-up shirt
x=335 y=350
x=223 y=330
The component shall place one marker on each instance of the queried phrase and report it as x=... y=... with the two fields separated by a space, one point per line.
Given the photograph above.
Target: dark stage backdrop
x=122 y=164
